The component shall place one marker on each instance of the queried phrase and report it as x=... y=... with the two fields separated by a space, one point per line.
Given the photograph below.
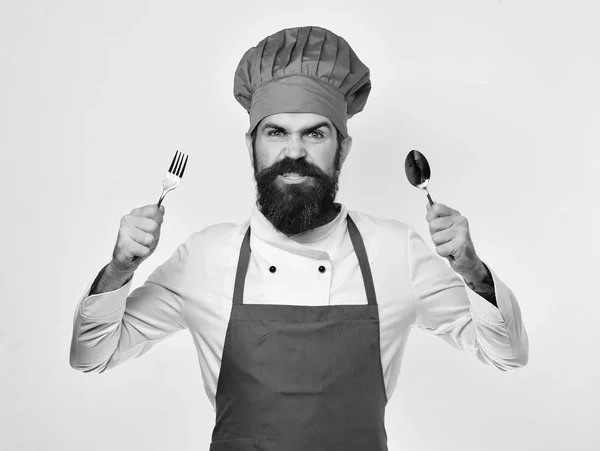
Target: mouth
x=292 y=177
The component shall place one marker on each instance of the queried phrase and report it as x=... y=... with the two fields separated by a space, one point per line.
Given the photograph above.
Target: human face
x=297 y=158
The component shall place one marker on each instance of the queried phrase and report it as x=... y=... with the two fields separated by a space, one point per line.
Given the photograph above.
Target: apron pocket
x=236 y=444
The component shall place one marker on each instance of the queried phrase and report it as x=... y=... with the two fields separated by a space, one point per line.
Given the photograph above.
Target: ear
x=346 y=146
x=249 y=146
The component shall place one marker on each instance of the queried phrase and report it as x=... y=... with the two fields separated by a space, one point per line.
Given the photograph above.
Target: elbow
x=520 y=351
x=519 y=359
x=523 y=358
x=81 y=367
x=513 y=364
x=515 y=352
x=98 y=369
x=506 y=358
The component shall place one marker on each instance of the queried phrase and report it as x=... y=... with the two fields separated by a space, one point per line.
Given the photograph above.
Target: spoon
x=418 y=171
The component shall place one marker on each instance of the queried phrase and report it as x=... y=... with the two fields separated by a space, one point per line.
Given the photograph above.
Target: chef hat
x=302 y=70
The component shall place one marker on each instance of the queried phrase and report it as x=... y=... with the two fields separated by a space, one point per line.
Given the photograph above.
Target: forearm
x=109 y=279
x=482 y=283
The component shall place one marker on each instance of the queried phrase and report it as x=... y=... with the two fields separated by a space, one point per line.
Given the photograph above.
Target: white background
x=501 y=96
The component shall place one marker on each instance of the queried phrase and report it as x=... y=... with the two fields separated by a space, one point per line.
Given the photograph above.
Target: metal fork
x=173 y=175
x=171 y=180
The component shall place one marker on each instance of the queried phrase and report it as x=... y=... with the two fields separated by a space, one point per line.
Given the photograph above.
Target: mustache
x=300 y=167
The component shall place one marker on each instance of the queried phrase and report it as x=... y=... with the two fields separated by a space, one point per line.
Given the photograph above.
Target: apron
x=301 y=378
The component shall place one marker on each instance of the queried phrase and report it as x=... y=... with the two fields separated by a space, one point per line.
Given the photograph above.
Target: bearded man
x=299 y=314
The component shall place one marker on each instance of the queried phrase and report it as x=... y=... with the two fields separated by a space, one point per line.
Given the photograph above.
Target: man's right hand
x=138 y=237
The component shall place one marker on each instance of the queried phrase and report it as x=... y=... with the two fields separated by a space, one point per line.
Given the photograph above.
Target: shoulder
x=386 y=241
x=380 y=229
x=217 y=239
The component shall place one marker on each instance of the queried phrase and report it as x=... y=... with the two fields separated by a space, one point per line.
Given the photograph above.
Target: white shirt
x=193 y=290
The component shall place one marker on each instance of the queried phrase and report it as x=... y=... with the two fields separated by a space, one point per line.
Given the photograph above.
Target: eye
x=315 y=134
x=274 y=133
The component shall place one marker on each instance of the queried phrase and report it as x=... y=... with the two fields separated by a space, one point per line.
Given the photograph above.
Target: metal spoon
x=418 y=171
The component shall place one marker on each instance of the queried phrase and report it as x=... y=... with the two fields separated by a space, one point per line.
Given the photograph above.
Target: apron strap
x=242 y=268
x=363 y=261
x=359 y=249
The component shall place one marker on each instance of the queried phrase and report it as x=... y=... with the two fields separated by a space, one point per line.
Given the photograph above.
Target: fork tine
x=177 y=163
x=183 y=168
x=173 y=162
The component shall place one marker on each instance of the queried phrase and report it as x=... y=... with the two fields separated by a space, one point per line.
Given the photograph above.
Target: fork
x=171 y=180
x=173 y=175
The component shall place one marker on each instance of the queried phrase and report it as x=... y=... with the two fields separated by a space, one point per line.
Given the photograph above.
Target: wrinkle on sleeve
x=112 y=328
x=447 y=308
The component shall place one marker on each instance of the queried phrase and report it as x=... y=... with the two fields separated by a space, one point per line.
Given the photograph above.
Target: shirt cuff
x=104 y=305
x=483 y=309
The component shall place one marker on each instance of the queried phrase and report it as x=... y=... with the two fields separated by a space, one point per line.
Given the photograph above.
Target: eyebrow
x=304 y=130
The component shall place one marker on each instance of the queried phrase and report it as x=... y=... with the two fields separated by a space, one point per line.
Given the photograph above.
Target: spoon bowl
x=418 y=171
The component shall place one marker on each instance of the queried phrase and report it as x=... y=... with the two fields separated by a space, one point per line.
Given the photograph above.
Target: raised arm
x=463 y=318
x=112 y=326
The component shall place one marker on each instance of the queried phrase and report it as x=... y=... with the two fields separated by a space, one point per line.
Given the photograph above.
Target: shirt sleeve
x=446 y=307
x=114 y=327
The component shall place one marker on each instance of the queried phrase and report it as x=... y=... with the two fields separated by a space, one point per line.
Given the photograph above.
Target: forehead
x=295 y=121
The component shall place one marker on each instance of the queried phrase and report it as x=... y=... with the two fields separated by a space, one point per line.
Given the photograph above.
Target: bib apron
x=301 y=378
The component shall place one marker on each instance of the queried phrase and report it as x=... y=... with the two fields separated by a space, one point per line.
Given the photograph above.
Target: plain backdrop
x=501 y=96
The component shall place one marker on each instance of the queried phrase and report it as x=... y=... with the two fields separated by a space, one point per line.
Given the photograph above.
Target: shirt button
x=321 y=269
x=272 y=269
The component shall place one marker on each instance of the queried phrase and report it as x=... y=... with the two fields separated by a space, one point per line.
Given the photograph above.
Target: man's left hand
x=450 y=234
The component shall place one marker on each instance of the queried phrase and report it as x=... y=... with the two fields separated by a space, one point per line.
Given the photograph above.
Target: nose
x=295 y=147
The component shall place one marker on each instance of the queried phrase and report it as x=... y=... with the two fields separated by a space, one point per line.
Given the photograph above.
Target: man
x=301 y=313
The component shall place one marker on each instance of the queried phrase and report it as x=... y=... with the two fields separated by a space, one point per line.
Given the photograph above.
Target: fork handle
x=162 y=196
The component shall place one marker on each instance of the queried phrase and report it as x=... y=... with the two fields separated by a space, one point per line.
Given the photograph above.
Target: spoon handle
x=428 y=196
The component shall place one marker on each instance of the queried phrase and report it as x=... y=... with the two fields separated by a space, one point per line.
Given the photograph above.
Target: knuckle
x=123 y=230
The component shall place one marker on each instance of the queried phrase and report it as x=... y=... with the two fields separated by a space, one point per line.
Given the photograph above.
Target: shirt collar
x=300 y=243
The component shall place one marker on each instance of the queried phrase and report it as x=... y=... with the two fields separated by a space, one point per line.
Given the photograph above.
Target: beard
x=294 y=208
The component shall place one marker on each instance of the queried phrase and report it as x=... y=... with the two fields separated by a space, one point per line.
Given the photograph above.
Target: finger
x=139 y=210
x=138 y=249
x=445 y=250
x=443 y=223
x=159 y=214
x=443 y=236
x=146 y=224
x=143 y=238
x=151 y=211
x=439 y=210
x=149 y=225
